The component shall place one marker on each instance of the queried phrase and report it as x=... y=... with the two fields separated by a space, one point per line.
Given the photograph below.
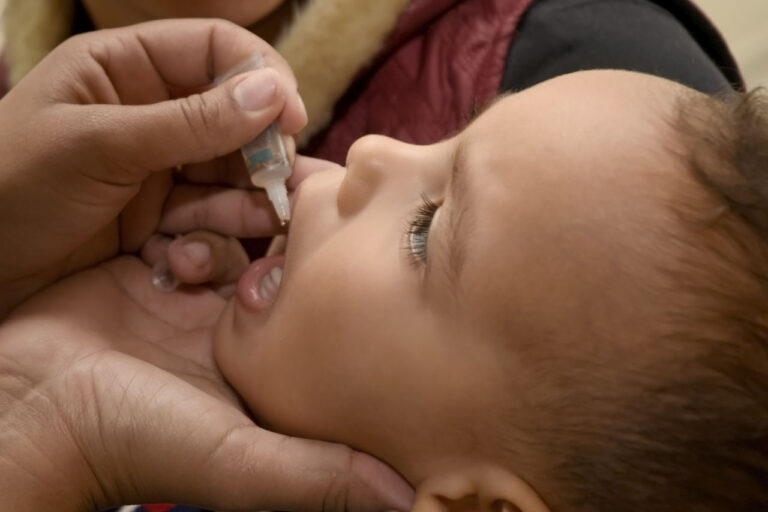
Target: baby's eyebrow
x=458 y=215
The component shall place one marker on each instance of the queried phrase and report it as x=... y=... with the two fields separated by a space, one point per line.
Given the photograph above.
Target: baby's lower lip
x=259 y=285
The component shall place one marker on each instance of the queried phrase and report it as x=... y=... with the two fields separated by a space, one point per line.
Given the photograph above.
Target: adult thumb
x=201 y=126
x=186 y=446
x=276 y=472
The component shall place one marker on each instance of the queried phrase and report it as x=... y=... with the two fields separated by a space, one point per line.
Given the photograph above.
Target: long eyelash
x=418 y=229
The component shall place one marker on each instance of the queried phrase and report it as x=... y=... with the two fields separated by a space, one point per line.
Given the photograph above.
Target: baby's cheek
x=318 y=355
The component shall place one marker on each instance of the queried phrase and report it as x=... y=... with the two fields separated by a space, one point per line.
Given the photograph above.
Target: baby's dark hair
x=691 y=431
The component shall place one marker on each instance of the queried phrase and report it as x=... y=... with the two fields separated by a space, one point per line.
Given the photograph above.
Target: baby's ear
x=485 y=488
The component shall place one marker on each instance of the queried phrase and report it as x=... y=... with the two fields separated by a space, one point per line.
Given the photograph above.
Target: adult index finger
x=179 y=53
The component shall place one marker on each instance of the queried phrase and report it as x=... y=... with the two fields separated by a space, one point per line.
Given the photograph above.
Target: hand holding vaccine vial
x=268 y=165
x=265 y=156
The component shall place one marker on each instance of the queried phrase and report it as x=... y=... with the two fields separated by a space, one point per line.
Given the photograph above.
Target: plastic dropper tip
x=278 y=194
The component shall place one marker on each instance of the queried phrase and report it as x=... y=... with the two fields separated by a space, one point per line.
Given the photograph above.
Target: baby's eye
x=418 y=230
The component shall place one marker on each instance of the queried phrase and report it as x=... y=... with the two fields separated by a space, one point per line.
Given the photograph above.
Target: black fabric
x=670 y=39
x=81 y=21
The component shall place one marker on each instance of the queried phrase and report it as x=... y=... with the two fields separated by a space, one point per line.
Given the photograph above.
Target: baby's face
x=410 y=330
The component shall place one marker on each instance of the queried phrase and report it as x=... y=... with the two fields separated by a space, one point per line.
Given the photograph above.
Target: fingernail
x=198 y=253
x=255 y=92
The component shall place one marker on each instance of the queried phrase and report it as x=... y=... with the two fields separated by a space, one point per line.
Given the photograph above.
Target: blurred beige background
x=744 y=24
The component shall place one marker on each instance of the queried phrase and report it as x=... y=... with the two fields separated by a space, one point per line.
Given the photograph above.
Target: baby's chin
x=243 y=347
x=225 y=341
x=239 y=331
x=268 y=399
x=235 y=341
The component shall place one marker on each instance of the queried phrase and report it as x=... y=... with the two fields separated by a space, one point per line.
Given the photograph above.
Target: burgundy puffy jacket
x=444 y=60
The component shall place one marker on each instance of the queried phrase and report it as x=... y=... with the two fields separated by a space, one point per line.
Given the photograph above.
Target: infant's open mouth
x=259 y=285
x=270 y=284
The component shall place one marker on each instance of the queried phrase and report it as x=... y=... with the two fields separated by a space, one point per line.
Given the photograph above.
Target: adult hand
x=89 y=138
x=109 y=395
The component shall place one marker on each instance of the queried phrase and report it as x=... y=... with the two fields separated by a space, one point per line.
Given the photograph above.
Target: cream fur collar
x=327 y=44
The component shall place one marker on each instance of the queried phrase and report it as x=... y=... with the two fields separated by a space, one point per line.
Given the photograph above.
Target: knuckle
x=336 y=496
x=94 y=137
x=204 y=117
x=79 y=42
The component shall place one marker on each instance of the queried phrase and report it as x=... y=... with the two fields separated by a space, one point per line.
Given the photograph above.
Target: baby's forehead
x=587 y=106
x=571 y=207
x=579 y=141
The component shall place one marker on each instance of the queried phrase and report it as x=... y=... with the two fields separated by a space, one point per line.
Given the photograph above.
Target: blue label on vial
x=259 y=157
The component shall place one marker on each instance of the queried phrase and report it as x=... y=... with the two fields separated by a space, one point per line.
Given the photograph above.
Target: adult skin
x=263 y=17
x=108 y=392
x=89 y=138
x=109 y=395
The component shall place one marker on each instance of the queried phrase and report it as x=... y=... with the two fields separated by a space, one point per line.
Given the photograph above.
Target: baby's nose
x=371 y=162
x=369 y=157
